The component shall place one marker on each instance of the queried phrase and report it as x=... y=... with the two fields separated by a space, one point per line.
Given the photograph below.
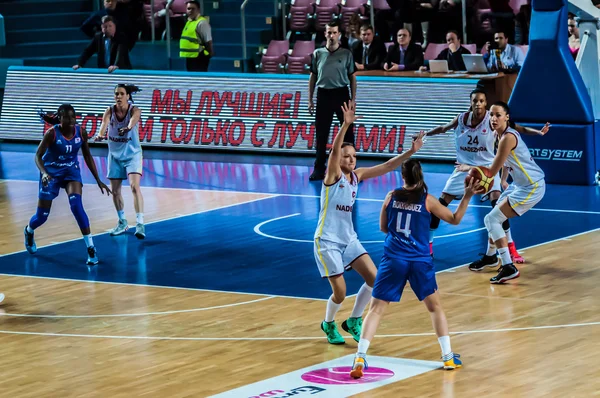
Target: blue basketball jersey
x=62 y=153
x=408 y=230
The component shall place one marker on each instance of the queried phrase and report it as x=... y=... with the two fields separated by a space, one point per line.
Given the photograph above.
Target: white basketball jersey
x=474 y=145
x=521 y=165
x=335 y=216
x=123 y=146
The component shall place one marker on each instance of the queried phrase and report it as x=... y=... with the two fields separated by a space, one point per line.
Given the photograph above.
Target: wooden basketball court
x=123 y=329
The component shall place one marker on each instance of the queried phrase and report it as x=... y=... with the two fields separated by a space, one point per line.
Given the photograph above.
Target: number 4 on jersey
x=406 y=229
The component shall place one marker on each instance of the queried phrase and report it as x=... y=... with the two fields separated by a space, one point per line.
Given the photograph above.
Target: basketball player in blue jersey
x=405 y=217
x=475 y=146
x=120 y=124
x=526 y=191
x=56 y=158
x=337 y=247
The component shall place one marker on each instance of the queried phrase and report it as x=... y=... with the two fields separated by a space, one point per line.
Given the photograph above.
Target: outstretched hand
x=417 y=142
x=349 y=116
x=545 y=129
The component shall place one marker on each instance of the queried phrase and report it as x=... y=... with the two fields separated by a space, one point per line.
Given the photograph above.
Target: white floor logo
x=568 y=155
x=332 y=379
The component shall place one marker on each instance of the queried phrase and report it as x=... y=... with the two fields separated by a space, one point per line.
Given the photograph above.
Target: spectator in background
x=353 y=32
x=122 y=13
x=573 y=36
x=196 y=44
x=404 y=55
x=452 y=54
x=369 y=52
x=523 y=20
x=503 y=57
x=110 y=46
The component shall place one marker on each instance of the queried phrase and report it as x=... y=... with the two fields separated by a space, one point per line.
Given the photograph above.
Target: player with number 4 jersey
x=404 y=218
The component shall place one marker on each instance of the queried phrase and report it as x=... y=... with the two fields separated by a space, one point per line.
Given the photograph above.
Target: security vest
x=189 y=45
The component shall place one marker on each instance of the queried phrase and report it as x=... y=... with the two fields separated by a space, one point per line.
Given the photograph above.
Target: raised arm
x=443 y=213
x=532 y=131
x=364 y=173
x=444 y=128
x=333 y=165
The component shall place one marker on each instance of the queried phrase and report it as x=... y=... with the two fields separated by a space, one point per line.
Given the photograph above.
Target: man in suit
x=453 y=54
x=369 y=52
x=404 y=55
x=112 y=49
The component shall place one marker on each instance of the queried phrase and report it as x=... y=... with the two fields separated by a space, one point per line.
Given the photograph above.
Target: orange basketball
x=483 y=174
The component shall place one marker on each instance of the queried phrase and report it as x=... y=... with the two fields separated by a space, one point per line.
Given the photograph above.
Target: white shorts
x=120 y=169
x=455 y=185
x=521 y=199
x=334 y=258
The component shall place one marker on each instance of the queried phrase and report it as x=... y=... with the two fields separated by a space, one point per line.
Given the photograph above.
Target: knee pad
x=506 y=225
x=40 y=217
x=435 y=221
x=78 y=212
x=494 y=202
x=493 y=222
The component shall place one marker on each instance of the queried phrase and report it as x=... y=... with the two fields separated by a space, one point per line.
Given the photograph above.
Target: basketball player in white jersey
x=124 y=155
x=526 y=191
x=475 y=146
x=336 y=246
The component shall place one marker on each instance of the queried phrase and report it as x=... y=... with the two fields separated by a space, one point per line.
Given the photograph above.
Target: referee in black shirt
x=332 y=71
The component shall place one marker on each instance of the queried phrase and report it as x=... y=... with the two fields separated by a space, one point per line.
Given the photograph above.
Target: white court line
x=269 y=197
x=138 y=314
x=531 y=247
x=192 y=289
x=97 y=336
x=259 y=232
x=157 y=221
x=317 y=196
x=506 y=298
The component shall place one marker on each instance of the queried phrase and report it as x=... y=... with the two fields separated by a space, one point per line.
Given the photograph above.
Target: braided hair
x=53 y=118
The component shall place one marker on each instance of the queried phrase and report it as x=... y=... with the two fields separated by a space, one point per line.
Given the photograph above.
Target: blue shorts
x=59 y=180
x=393 y=274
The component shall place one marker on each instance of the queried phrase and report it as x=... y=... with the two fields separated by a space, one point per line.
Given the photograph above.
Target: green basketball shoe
x=333 y=336
x=353 y=326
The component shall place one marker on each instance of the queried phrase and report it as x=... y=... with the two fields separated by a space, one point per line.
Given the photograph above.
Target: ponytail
x=412 y=174
x=54 y=118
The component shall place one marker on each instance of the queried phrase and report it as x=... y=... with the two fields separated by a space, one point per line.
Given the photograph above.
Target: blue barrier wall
x=550 y=88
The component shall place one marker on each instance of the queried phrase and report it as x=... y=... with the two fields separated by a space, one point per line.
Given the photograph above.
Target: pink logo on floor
x=341 y=375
